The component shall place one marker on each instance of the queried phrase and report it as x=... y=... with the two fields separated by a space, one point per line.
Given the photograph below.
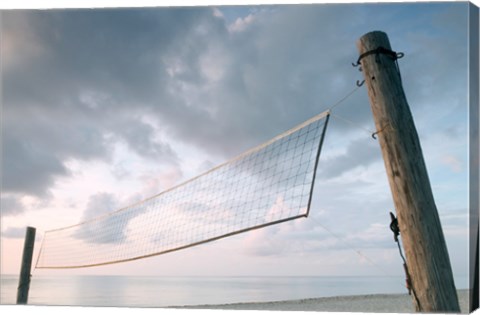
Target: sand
x=379 y=303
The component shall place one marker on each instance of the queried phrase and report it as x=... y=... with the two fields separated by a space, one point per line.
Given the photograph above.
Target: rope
x=380 y=50
x=354 y=124
x=358 y=252
x=343 y=99
x=396 y=233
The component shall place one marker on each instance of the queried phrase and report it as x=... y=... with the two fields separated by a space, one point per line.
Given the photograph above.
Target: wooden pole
x=428 y=263
x=24 y=281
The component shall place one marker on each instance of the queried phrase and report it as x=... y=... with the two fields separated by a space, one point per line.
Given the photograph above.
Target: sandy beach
x=378 y=303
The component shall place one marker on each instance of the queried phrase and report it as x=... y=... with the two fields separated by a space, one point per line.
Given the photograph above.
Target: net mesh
x=269 y=184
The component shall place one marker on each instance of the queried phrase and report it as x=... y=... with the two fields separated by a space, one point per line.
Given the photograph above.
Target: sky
x=103 y=108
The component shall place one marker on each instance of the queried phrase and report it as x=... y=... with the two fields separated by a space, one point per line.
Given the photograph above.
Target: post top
x=373 y=40
x=374 y=34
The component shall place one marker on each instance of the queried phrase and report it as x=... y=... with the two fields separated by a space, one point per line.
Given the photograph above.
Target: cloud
x=14 y=232
x=81 y=93
x=161 y=181
x=103 y=225
x=99 y=205
x=241 y=24
x=453 y=163
x=303 y=236
x=97 y=77
x=140 y=138
x=359 y=153
x=78 y=84
x=11 y=205
x=27 y=167
x=217 y=13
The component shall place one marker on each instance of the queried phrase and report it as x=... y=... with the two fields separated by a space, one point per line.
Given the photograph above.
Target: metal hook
x=377 y=132
x=360 y=83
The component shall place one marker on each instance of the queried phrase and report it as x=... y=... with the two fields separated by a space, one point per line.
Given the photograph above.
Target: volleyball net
x=269 y=184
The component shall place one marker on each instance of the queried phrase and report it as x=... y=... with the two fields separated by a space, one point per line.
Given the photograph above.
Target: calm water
x=175 y=291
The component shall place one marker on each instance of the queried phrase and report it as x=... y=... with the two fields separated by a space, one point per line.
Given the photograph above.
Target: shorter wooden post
x=24 y=281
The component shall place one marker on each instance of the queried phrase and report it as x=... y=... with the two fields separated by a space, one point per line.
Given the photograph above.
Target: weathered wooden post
x=24 y=281
x=426 y=252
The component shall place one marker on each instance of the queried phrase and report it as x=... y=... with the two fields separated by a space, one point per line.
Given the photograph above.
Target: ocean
x=143 y=291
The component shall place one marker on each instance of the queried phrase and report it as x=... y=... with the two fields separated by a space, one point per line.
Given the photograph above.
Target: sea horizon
x=167 y=291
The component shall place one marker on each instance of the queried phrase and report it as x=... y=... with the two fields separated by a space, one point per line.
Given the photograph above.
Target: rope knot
x=394 y=227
